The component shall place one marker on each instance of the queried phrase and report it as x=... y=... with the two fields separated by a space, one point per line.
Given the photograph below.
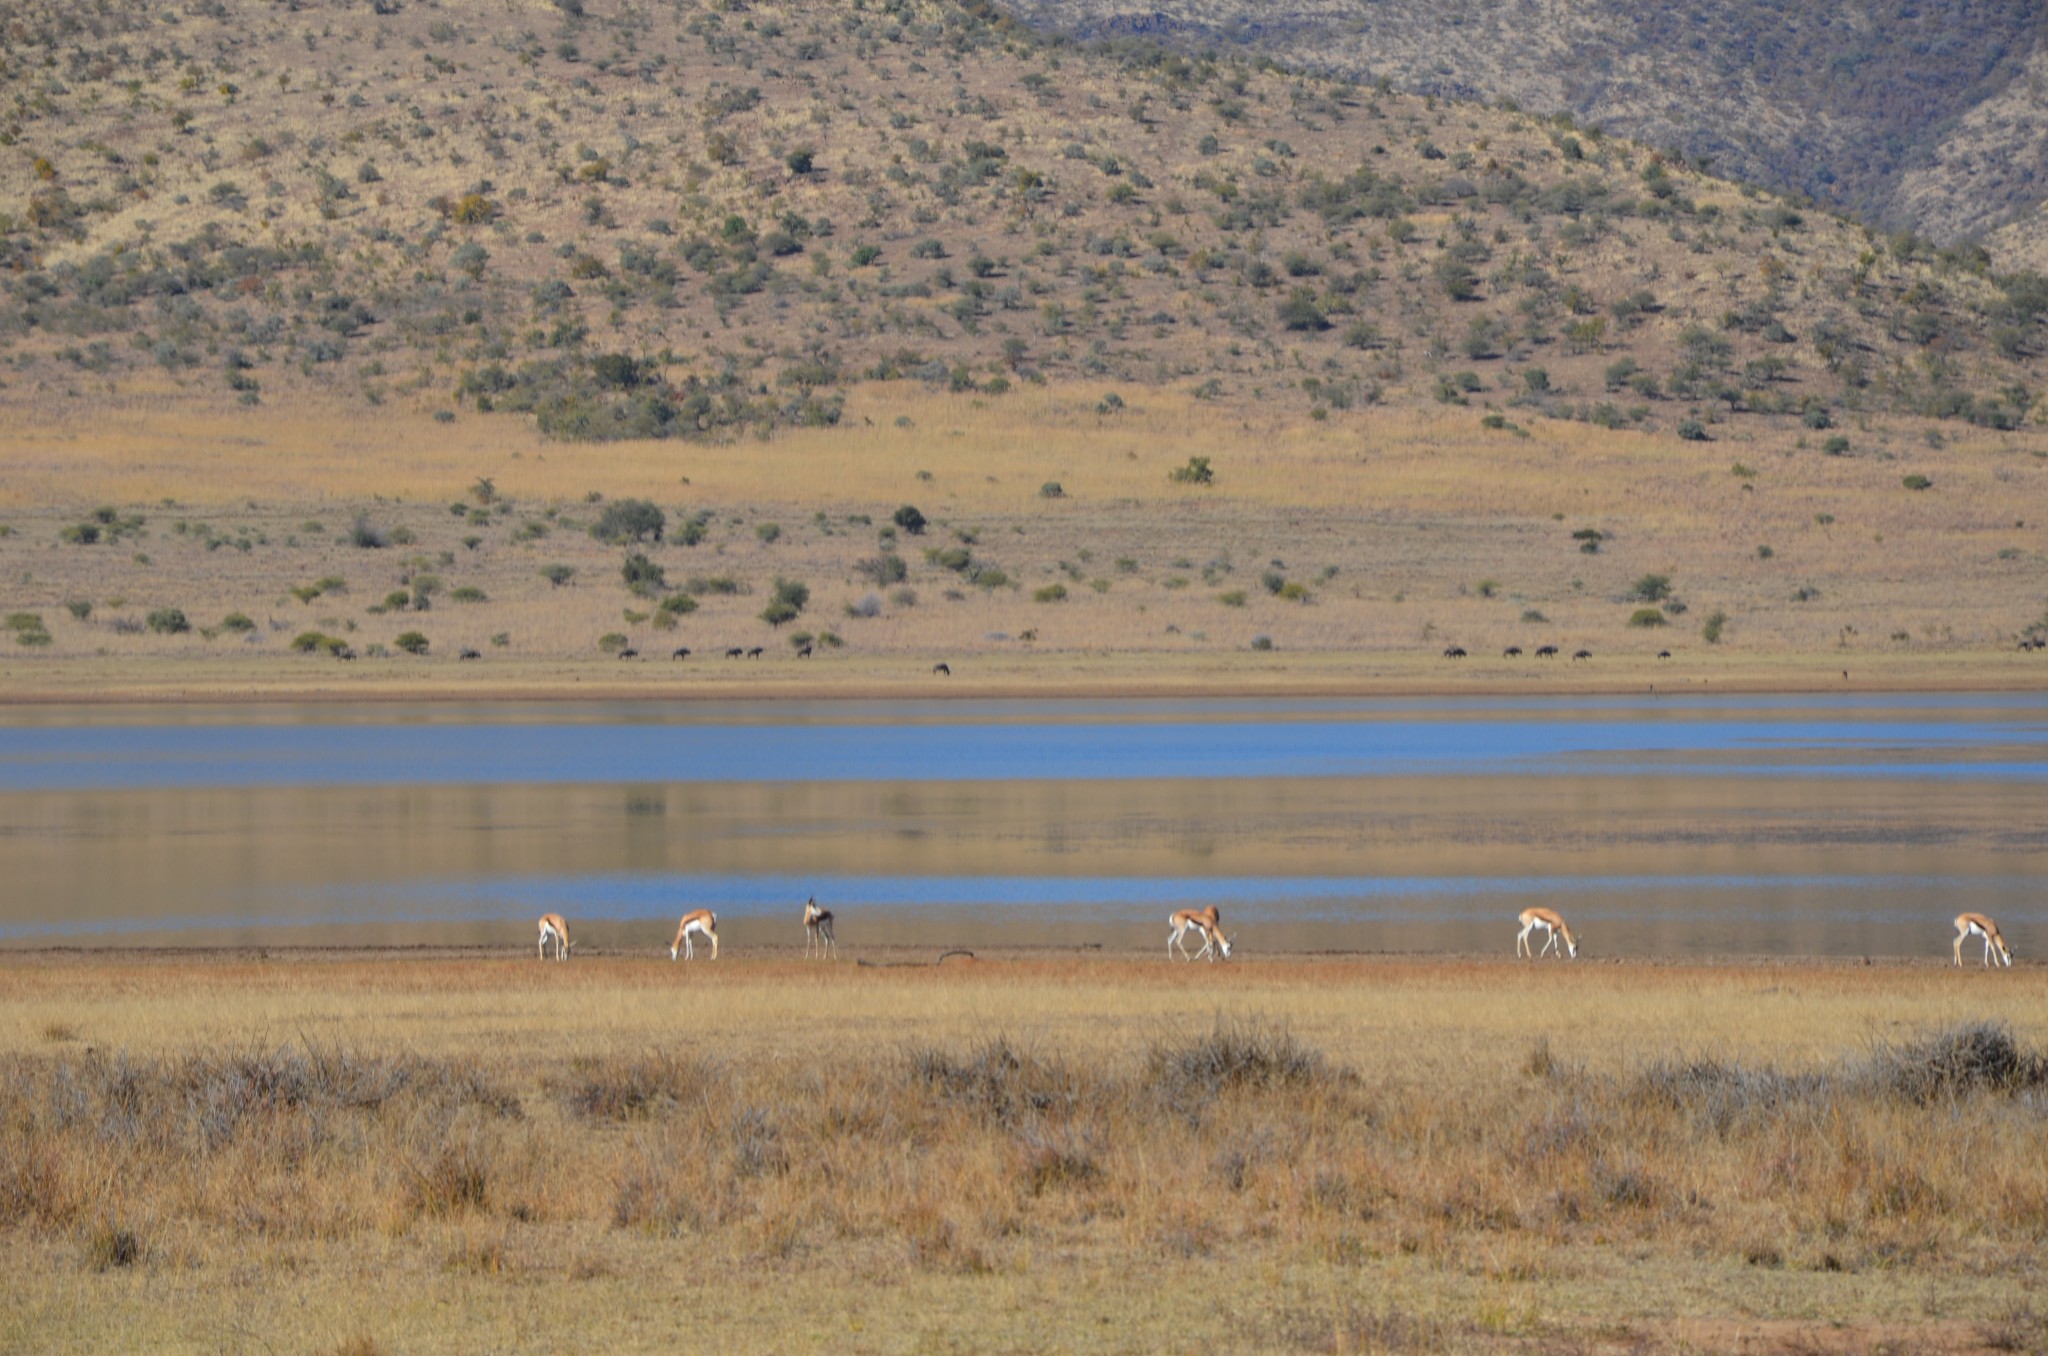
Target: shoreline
x=1122 y=676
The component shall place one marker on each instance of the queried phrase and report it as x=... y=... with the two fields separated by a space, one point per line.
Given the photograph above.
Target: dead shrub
x=1954 y=1062
x=635 y=1089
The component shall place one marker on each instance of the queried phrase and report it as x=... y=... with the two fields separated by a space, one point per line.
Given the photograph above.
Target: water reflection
x=1799 y=828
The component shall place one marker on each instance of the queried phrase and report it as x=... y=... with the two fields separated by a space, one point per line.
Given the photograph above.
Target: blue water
x=1854 y=825
x=1920 y=738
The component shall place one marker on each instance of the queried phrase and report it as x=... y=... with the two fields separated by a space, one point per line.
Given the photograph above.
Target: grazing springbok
x=943 y=670
x=702 y=923
x=1551 y=922
x=1205 y=924
x=682 y=653
x=818 y=929
x=554 y=928
x=1968 y=924
x=1511 y=652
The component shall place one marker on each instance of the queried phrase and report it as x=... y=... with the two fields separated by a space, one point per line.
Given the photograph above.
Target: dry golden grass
x=409 y=1153
x=1410 y=532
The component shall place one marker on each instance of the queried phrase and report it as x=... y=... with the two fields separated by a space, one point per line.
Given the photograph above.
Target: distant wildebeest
x=681 y=653
x=945 y=669
x=2033 y=643
x=757 y=652
x=345 y=652
x=735 y=652
x=468 y=653
x=1546 y=652
x=1511 y=652
x=1663 y=654
x=1455 y=652
x=803 y=651
x=1581 y=654
x=629 y=653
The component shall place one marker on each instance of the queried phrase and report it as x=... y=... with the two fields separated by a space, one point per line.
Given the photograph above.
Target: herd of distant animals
x=1207 y=926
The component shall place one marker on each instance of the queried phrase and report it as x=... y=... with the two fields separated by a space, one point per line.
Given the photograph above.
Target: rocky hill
x=1913 y=116
x=700 y=219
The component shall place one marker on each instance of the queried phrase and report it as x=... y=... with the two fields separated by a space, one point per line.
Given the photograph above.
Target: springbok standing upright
x=818 y=929
x=700 y=922
x=1968 y=924
x=553 y=927
x=1551 y=922
x=1204 y=923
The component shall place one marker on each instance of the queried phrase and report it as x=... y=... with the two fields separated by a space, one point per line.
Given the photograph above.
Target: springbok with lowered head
x=696 y=923
x=1551 y=922
x=1976 y=924
x=554 y=928
x=1204 y=923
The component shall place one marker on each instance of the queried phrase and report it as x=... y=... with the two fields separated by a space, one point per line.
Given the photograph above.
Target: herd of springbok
x=1207 y=927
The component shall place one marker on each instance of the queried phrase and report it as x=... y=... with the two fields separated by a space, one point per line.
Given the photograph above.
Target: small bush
x=1692 y=430
x=237 y=622
x=412 y=642
x=1647 y=616
x=558 y=575
x=1196 y=472
x=315 y=642
x=364 y=537
x=1052 y=489
x=642 y=575
x=79 y=608
x=1916 y=481
x=1051 y=593
x=611 y=642
x=1836 y=446
x=909 y=519
x=168 y=621
x=1713 y=626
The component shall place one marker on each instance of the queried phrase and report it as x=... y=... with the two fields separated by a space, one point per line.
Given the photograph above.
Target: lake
x=1660 y=826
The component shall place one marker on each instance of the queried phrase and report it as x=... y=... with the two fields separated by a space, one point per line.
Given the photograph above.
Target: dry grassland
x=1405 y=533
x=1028 y=1152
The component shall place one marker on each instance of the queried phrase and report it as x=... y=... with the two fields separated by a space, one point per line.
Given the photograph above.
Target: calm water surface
x=1783 y=825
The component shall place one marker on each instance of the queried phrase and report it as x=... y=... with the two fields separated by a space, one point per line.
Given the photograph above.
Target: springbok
x=1969 y=924
x=1551 y=922
x=701 y=922
x=553 y=927
x=818 y=929
x=1205 y=924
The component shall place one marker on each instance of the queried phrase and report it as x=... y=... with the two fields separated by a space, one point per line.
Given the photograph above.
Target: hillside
x=701 y=219
x=1921 y=117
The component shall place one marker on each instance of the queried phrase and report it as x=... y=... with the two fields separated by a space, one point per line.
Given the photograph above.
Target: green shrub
x=789 y=600
x=1235 y=598
x=168 y=621
x=314 y=642
x=469 y=593
x=677 y=604
x=1692 y=430
x=1052 y=489
x=627 y=520
x=412 y=642
x=642 y=575
x=1262 y=642
x=79 y=608
x=1837 y=446
x=611 y=642
x=767 y=532
x=558 y=575
x=1916 y=481
x=1196 y=472
x=237 y=622
x=1051 y=593
x=1715 y=624
x=1647 y=616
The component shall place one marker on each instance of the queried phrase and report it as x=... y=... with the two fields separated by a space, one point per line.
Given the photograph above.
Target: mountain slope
x=702 y=219
x=1865 y=106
